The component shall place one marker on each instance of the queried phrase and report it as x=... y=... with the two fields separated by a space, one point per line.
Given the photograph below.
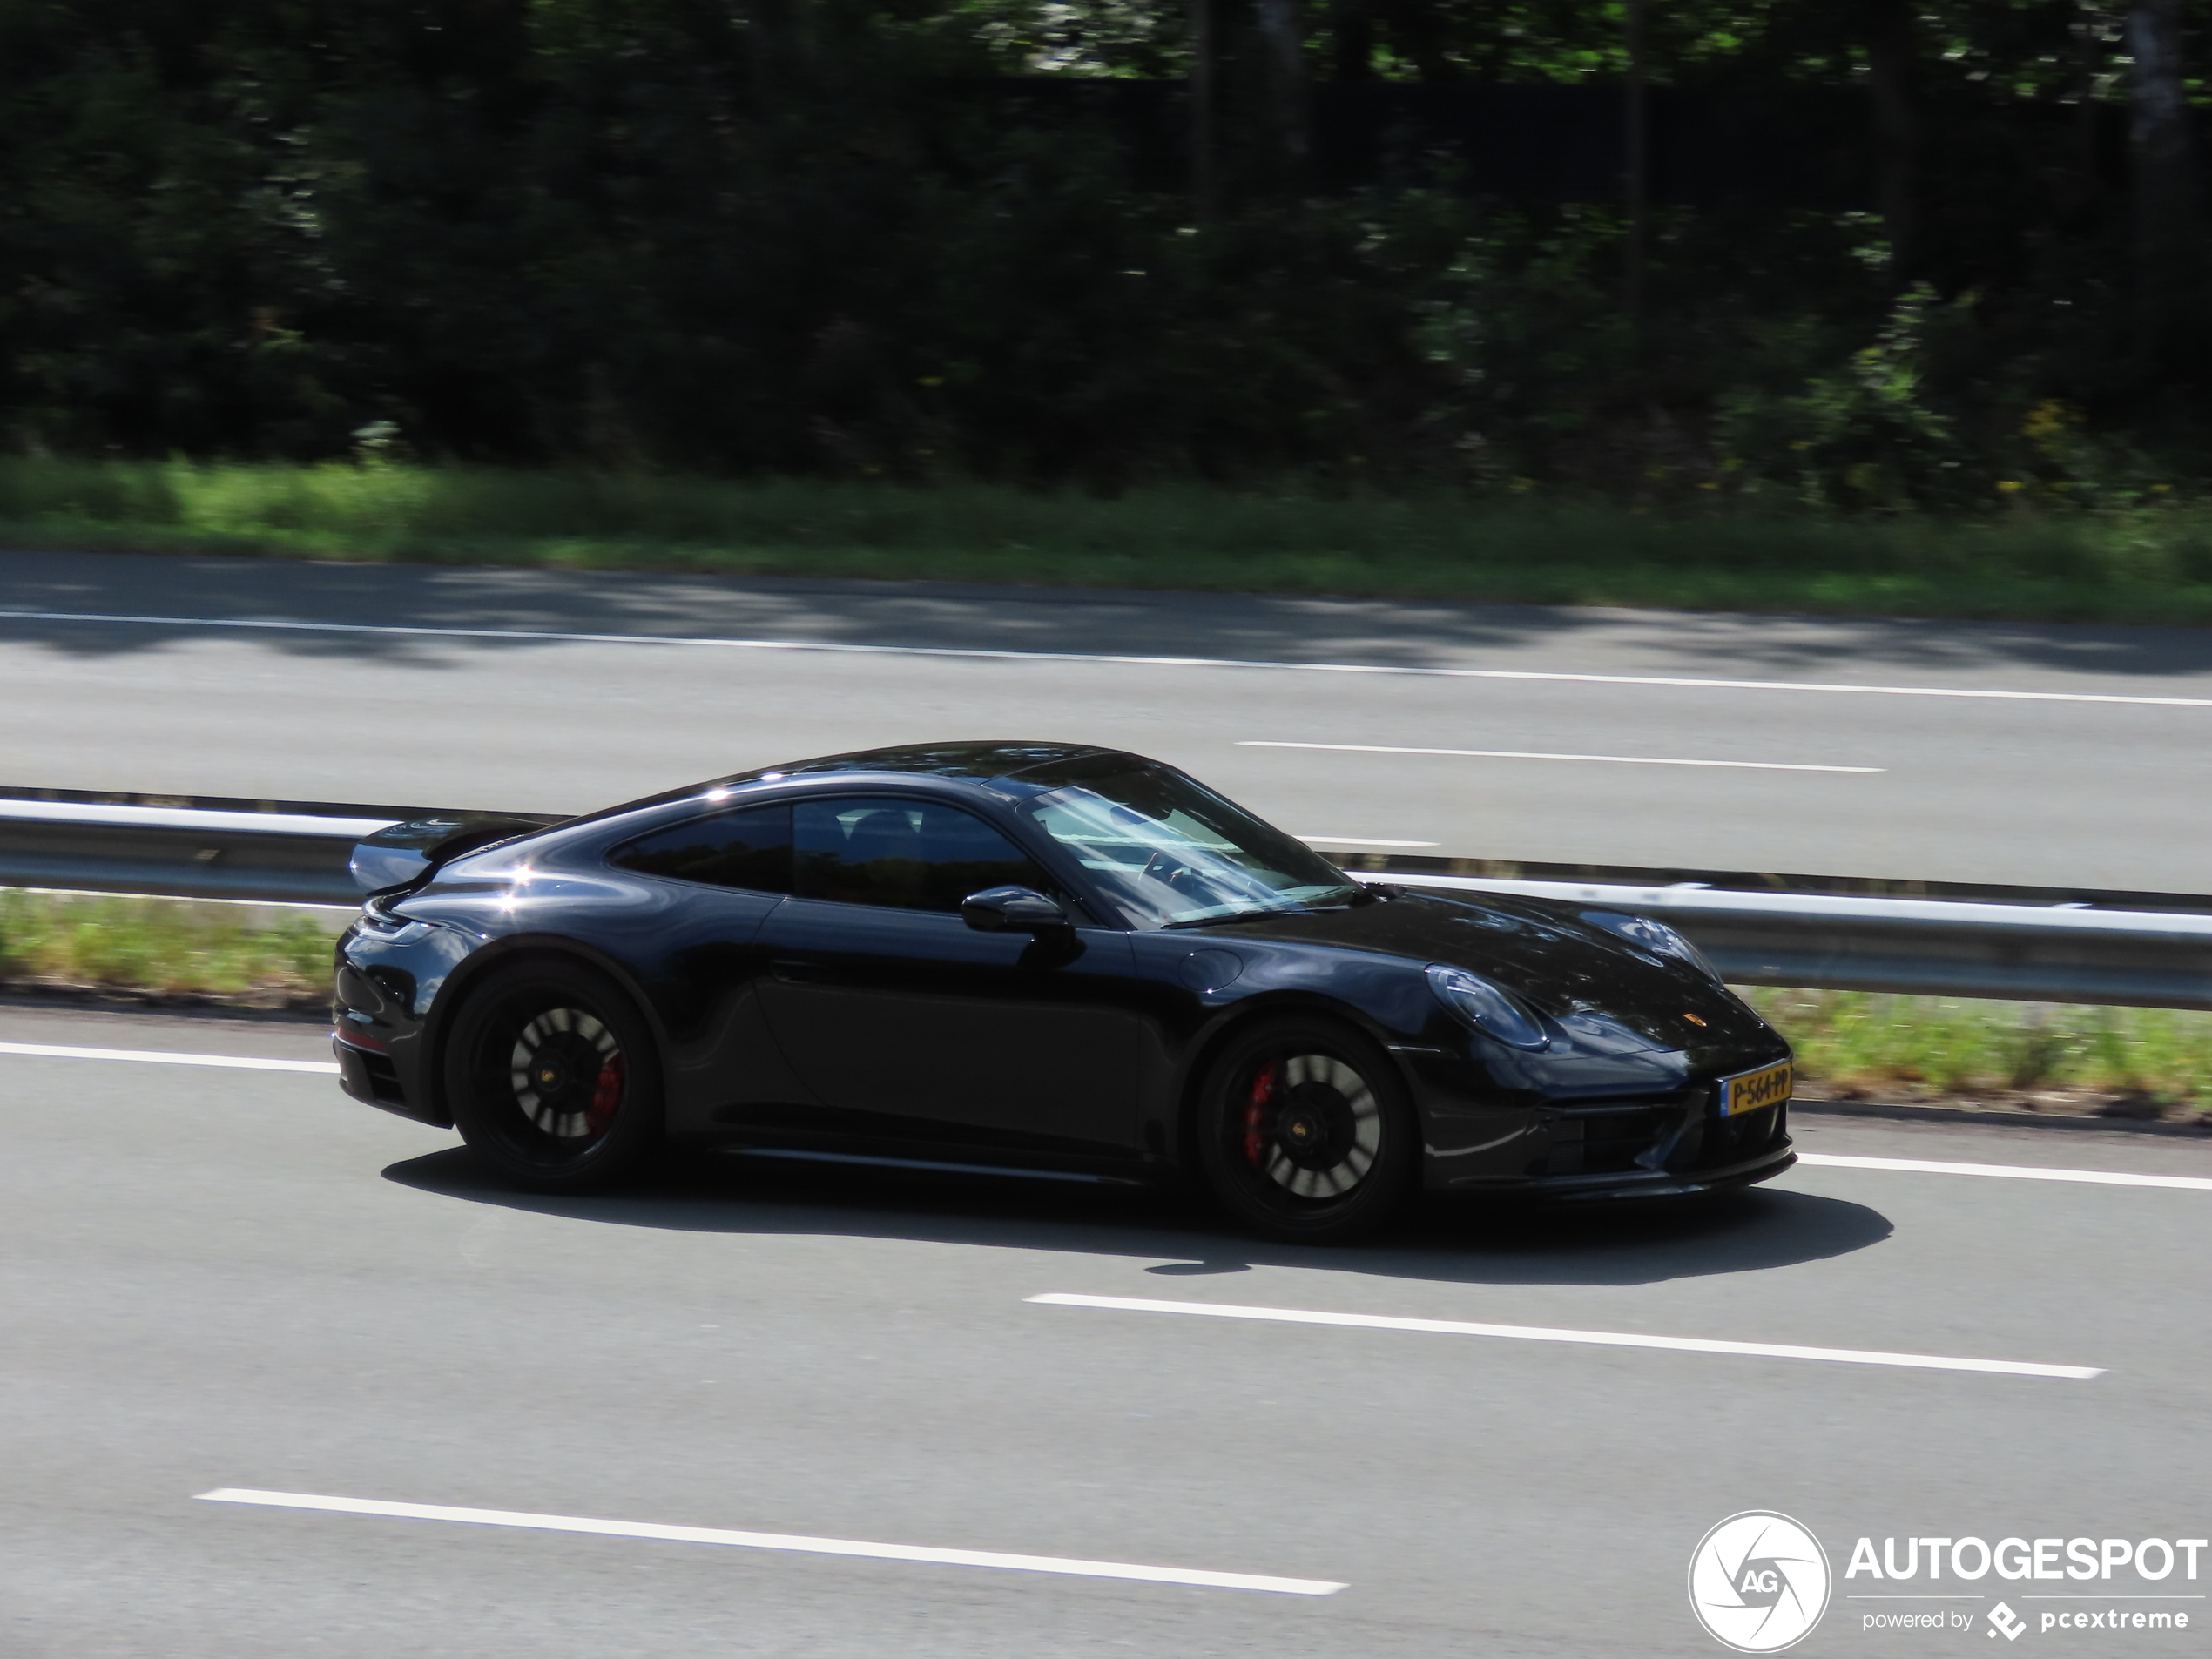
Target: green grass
x=163 y=946
x=1849 y=1042
x=2149 y=564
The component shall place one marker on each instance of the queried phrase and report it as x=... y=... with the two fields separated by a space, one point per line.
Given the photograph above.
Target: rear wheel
x=1305 y=1132
x=554 y=1079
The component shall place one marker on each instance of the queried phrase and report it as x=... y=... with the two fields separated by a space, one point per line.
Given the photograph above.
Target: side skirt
x=929 y=1165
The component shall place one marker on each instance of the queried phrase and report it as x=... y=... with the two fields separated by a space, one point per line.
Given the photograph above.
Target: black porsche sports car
x=1041 y=958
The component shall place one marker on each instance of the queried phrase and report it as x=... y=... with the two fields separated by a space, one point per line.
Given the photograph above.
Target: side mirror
x=1013 y=910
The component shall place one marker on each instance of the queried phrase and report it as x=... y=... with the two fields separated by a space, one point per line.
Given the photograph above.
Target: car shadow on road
x=149 y=602
x=1735 y=1233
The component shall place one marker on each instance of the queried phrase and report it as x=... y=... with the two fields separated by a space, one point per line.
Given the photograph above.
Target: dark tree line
x=808 y=235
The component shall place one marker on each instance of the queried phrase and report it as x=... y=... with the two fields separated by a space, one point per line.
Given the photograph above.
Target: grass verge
x=2126 y=1063
x=2141 y=1063
x=2151 y=564
x=239 y=955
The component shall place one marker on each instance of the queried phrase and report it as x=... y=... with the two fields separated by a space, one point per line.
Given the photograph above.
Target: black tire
x=554 y=1078
x=1305 y=1134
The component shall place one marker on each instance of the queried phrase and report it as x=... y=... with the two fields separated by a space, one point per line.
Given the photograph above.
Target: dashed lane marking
x=1598 y=1339
x=1068 y=1565
x=1532 y=755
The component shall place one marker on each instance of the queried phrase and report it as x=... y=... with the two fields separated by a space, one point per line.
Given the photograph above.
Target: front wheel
x=1305 y=1132
x=554 y=1078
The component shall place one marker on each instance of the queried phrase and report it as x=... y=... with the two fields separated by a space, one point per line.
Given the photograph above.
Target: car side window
x=749 y=849
x=903 y=854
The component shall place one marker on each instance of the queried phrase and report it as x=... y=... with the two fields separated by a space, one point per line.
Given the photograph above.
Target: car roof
x=1026 y=766
x=974 y=762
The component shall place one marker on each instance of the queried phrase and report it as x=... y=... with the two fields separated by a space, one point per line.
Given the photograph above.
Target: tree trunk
x=1202 y=121
x=1896 y=130
x=2162 y=168
x=1282 y=36
x=2084 y=181
x=1635 y=169
x=1354 y=26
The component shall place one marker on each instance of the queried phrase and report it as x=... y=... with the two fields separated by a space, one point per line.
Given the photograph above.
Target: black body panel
x=828 y=1019
x=974 y=1037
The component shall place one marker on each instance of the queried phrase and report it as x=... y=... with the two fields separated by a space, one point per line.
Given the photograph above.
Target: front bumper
x=382 y=991
x=370 y=1077
x=1660 y=1183
x=1665 y=1147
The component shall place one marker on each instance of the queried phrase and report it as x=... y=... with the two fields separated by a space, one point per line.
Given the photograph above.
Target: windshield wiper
x=1345 y=898
x=1236 y=916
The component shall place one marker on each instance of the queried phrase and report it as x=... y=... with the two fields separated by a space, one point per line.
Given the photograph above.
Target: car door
x=910 y=1025
x=714 y=879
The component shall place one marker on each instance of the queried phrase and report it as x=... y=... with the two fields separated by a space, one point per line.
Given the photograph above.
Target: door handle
x=800 y=972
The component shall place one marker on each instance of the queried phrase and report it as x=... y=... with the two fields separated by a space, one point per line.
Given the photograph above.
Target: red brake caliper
x=1262 y=1091
x=607 y=1097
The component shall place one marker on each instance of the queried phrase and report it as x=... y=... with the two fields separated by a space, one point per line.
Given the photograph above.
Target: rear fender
x=400 y=856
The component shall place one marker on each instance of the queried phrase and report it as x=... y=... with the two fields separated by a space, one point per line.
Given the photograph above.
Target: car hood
x=1537 y=948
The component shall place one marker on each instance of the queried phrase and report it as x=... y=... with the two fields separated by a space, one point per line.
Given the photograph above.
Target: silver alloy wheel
x=1328 y=1127
x=546 y=1071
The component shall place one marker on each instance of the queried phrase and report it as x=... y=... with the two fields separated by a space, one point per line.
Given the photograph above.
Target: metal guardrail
x=2070 y=952
x=185 y=853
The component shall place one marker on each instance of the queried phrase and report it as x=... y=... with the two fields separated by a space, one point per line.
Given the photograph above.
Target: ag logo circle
x=1758 y=1583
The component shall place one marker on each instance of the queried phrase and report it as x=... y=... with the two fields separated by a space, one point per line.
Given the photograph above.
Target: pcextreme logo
x=1758 y=1582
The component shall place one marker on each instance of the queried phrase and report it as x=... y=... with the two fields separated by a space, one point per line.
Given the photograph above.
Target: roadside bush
x=162 y=945
x=1850 y=1041
x=680 y=241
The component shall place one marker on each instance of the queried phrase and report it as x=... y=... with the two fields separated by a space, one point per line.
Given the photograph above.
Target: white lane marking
x=778 y=1541
x=2009 y=1171
x=1525 y=754
x=162 y=1057
x=1600 y=1339
x=1358 y=840
x=989 y=654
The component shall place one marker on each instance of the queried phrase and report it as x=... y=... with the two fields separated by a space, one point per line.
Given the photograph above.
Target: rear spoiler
x=400 y=855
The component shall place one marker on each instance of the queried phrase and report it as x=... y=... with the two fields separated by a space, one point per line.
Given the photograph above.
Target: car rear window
x=749 y=849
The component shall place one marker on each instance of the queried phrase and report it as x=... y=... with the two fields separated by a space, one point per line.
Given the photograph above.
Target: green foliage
x=2149 y=563
x=162 y=945
x=1862 y=434
x=1851 y=1042
x=796 y=238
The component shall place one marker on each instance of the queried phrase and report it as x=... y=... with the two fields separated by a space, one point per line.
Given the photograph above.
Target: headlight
x=1485 y=1007
x=387 y=929
x=1654 y=936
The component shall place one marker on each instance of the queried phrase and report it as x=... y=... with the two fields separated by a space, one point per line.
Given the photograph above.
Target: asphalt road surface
x=234 y=1279
x=2070 y=756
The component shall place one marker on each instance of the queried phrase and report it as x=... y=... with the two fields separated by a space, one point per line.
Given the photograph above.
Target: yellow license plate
x=1754 y=1091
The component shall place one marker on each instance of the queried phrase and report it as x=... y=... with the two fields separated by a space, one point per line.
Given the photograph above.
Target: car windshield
x=1171 y=853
